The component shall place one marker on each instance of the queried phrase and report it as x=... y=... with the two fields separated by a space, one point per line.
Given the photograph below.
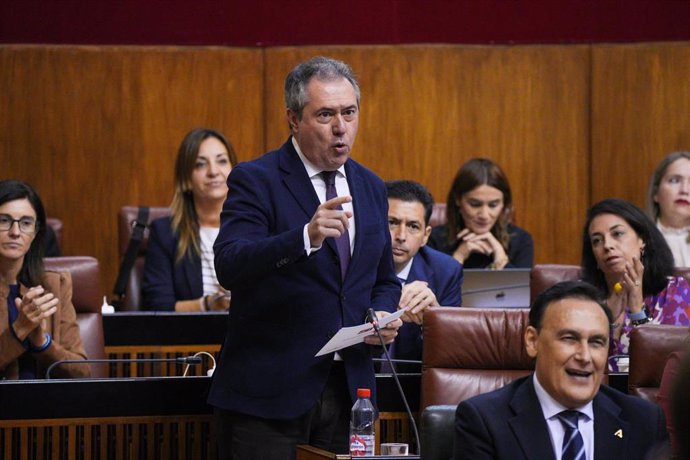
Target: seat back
x=471 y=351
x=650 y=346
x=438 y=215
x=56 y=225
x=125 y=220
x=544 y=276
x=87 y=298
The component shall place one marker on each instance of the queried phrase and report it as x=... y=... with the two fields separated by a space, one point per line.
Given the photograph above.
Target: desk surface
x=164 y=328
x=38 y=399
x=33 y=399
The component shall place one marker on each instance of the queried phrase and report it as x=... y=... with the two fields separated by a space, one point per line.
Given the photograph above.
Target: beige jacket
x=62 y=326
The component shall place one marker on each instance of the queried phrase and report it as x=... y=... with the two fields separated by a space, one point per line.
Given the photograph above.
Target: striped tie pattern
x=573 y=445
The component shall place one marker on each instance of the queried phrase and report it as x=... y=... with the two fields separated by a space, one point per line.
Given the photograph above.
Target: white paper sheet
x=352 y=335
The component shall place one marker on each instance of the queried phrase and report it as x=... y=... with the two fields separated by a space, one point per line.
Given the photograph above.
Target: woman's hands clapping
x=34 y=309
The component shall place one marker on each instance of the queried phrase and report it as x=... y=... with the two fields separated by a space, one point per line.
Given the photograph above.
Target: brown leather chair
x=438 y=215
x=56 y=225
x=471 y=351
x=125 y=220
x=87 y=298
x=544 y=276
x=467 y=352
x=650 y=345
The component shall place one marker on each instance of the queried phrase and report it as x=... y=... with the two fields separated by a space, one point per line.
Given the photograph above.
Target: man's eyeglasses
x=26 y=224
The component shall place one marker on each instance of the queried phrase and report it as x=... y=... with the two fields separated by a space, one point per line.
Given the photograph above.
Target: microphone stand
x=181 y=360
x=374 y=322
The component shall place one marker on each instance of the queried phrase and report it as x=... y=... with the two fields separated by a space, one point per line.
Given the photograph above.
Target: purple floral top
x=670 y=306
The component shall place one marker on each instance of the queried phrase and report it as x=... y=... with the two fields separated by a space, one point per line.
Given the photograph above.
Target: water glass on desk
x=394 y=448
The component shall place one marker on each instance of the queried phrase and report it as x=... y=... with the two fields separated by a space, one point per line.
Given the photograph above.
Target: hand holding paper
x=352 y=335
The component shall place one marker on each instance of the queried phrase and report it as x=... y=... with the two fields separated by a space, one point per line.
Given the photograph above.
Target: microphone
x=180 y=360
x=373 y=319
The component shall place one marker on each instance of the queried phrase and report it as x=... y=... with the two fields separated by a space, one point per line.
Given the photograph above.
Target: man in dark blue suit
x=430 y=278
x=304 y=246
x=561 y=411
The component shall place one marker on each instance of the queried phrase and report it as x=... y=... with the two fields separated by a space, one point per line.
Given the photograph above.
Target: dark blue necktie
x=573 y=445
x=343 y=241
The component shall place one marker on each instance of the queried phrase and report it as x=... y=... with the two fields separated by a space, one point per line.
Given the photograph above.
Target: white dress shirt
x=341 y=187
x=551 y=408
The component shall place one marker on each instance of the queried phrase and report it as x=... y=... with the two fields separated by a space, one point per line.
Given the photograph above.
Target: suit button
x=342 y=297
x=282 y=262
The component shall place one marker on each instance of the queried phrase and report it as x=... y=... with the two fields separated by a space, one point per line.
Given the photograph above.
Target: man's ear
x=292 y=121
x=531 y=341
x=427 y=234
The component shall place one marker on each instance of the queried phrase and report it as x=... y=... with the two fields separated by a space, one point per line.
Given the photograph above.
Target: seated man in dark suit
x=430 y=278
x=561 y=411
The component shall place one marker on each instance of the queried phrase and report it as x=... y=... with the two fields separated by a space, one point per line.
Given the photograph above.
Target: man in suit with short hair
x=430 y=278
x=305 y=249
x=561 y=411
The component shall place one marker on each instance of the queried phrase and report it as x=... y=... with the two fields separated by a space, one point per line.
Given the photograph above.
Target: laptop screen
x=508 y=288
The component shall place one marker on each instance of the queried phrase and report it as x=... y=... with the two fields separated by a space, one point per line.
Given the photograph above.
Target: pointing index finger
x=333 y=203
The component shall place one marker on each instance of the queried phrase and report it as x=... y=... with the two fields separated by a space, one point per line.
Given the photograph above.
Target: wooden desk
x=151 y=418
x=132 y=335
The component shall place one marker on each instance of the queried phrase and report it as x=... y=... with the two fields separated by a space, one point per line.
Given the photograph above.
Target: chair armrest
x=437 y=432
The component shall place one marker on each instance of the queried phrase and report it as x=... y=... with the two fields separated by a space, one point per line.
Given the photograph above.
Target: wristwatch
x=641 y=317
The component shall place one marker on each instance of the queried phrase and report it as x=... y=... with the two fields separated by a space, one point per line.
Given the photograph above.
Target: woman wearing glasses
x=179 y=274
x=37 y=319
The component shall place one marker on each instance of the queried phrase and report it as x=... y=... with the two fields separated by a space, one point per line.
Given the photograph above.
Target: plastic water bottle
x=362 y=425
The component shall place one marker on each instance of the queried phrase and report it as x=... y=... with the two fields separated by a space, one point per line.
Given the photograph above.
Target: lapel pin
x=619 y=433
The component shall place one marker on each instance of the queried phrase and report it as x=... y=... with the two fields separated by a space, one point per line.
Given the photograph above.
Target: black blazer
x=287 y=305
x=509 y=424
x=165 y=282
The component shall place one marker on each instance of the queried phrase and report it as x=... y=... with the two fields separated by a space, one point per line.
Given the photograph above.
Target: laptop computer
x=507 y=288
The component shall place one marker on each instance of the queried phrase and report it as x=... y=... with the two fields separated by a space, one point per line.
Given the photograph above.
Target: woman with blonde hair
x=668 y=201
x=179 y=273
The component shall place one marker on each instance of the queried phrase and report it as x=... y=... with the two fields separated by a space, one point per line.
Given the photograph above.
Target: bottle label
x=361 y=445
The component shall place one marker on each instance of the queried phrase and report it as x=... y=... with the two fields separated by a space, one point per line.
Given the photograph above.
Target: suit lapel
x=528 y=425
x=299 y=185
x=420 y=269
x=296 y=180
x=610 y=431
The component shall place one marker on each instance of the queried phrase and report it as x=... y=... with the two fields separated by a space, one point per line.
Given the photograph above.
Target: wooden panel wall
x=641 y=112
x=96 y=128
x=427 y=109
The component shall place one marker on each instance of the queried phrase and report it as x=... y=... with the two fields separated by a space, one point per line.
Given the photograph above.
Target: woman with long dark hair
x=478 y=232
x=38 y=324
x=627 y=258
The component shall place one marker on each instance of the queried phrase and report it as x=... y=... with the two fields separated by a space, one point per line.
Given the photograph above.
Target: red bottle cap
x=363 y=393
